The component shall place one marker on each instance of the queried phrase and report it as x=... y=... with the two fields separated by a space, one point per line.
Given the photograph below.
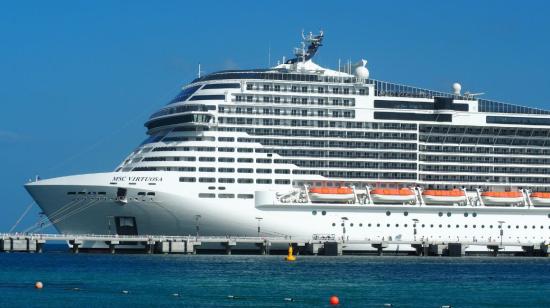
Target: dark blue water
x=85 y=280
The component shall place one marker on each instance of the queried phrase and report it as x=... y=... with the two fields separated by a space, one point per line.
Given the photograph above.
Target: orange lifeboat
x=331 y=194
x=501 y=197
x=443 y=197
x=540 y=198
x=403 y=195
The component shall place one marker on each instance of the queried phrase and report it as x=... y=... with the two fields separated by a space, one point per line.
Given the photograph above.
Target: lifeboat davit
x=501 y=197
x=541 y=198
x=403 y=195
x=331 y=194
x=443 y=197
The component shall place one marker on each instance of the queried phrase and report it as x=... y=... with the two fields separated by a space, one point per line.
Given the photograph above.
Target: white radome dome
x=361 y=71
x=457 y=88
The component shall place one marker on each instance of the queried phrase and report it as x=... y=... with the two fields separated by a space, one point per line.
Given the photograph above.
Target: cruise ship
x=304 y=151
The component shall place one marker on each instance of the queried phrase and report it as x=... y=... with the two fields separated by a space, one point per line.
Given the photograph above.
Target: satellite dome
x=457 y=88
x=361 y=71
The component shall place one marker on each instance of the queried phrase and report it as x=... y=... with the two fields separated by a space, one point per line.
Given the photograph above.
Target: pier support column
x=380 y=247
x=150 y=246
x=228 y=245
x=456 y=249
x=75 y=245
x=528 y=250
x=112 y=246
x=495 y=249
x=191 y=246
x=40 y=245
x=264 y=247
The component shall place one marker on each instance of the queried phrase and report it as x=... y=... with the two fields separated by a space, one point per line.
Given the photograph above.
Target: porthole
x=500 y=226
x=448 y=226
x=314 y=212
x=533 y=227
x=517 y=227
x=423 y=225
x=474 y=226
x=351 y=224
x=440 y=214
x=397 y=225
x=525 y=227
x=378 y=225
x=465 y=214
x=360 y=225
x=542 y=227
x=369 y=225
x=458 y=226
x=406 y=225
x=323 y=213
x=465 y=226
x=407 y=214
x=440 y=226
x=333 y=224
x=342 y=224
x=491 y=226
x=388 y=213
x=448 y=214
x=548 y=215
x=388 y=225
x=474 y=214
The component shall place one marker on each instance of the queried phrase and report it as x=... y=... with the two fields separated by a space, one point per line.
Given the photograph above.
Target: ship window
x=207 y=169
x=222 y=86
x=448 y=214
x=150 y=194
x=405 y=225
x=207 y=159
x=226 y=139
x=263 y=171
x=323 y=213
x=282 y=181
x=211 y=187
x=226 y=159
x=378 y=225
x=71 y=193
x=250 y=160
x=187 y=179
x=474 y=214
x=388 y=225
x=465 y=214
x=207 y=97
x=245 y=196
x=226 y=180
x=141 y=193
x=226 y=170
x=406 y=213
x=314 y=212
x=263 y=181
x=388 y=213
x=333 y=224
x=245 y=170
x=245 y=181
x=440 y=214
x=207 y=180
x=225 y=149
x=203 y=195
x=226 y=196
x=440 y=226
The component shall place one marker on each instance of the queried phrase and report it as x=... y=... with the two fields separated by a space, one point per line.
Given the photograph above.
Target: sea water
x=96 y=280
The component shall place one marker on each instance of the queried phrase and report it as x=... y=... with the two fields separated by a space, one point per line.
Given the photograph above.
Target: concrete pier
x=266 y=245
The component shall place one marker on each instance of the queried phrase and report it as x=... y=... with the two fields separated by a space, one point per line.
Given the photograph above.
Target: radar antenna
x=313 y=41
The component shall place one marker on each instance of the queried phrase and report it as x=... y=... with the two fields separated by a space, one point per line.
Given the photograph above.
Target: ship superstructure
x=309 y=151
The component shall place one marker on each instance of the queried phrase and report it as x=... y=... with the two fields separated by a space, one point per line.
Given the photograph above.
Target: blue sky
x=79 y=78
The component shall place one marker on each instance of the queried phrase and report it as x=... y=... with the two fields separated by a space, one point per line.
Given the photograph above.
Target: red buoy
x=334 y=300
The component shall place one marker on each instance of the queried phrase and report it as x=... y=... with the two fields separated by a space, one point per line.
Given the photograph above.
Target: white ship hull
x=173 y=212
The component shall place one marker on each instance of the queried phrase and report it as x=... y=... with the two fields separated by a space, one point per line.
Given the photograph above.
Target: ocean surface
x=94 y=280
